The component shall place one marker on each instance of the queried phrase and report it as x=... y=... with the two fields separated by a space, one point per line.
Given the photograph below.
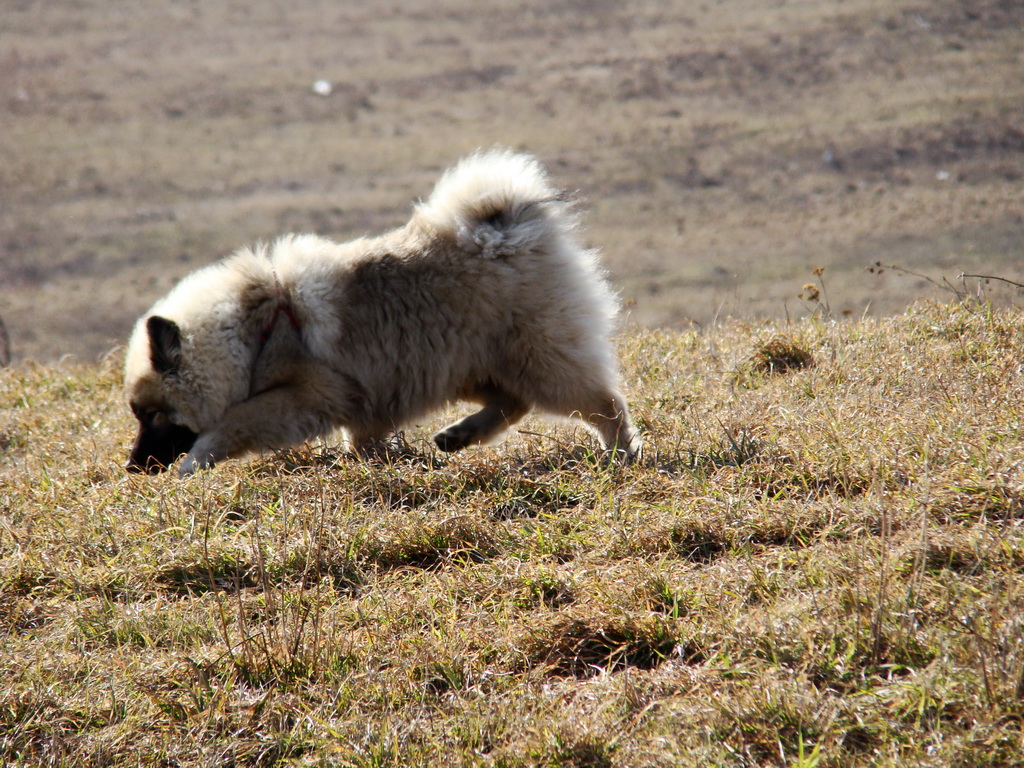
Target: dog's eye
x=151 y=417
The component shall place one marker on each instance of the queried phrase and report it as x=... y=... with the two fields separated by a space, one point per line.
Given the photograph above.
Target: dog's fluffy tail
x=497 y=203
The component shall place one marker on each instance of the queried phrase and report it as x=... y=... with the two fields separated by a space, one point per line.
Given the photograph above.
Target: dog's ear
x=164 y=345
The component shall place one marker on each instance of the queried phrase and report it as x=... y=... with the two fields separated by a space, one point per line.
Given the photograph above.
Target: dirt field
x=724 y=149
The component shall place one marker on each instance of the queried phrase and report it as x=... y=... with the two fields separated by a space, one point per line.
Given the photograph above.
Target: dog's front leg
x=211 y=447
x=278 y=418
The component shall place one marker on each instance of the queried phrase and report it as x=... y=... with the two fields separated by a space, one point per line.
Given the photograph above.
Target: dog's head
x=191 y=357
x=158 y=393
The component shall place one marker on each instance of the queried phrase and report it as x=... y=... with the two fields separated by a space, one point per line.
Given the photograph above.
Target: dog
x=485 y=295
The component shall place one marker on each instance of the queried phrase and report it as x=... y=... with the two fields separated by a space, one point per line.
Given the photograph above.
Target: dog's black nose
x=156 y=448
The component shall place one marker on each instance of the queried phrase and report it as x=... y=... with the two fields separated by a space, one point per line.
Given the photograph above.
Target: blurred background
x=735 y=158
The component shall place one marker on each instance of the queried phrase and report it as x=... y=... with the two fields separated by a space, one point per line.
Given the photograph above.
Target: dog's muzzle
x=156 y=448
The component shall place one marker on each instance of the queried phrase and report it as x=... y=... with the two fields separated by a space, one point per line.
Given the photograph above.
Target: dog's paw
x=618 y=457
x=192 y=464
x=634 y=453
x=453 y=439
x=188 y=466
x=624 y=456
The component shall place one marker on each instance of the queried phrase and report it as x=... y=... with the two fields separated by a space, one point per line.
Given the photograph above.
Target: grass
x=820 y=562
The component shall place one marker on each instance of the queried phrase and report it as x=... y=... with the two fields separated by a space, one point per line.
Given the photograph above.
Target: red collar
x=283 y=307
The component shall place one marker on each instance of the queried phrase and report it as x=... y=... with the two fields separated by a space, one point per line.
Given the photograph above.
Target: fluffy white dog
x=485 y=295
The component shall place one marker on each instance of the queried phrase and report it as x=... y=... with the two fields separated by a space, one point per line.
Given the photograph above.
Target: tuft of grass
x=779 y=354
x=819 y=568
x=581 y=647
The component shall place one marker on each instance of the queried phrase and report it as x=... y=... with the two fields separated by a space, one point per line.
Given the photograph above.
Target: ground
x=721 y=150
x=818 y=562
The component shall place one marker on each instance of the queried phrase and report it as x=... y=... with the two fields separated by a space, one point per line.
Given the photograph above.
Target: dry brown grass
x=815 y=565
x=723 y=150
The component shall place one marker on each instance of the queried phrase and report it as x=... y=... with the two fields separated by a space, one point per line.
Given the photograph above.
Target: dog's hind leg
x=609 y=415
x=501 y=410
x=606 y=411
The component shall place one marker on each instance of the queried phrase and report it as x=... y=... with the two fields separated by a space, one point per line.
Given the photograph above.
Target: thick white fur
x=484 y=295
